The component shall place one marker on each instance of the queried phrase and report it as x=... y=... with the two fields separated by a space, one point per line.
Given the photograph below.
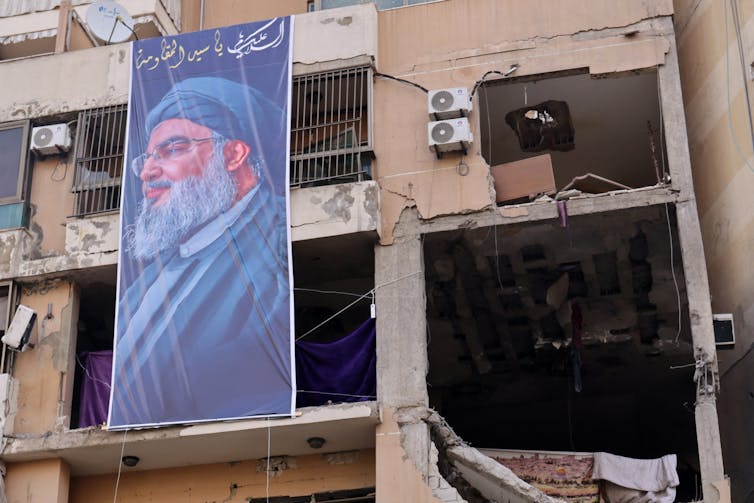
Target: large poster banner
x=204 y=319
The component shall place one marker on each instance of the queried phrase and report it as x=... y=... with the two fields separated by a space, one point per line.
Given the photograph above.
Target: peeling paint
x=372 y=205
x=514 y=211
x=6 y=251
x=345 y=21
x=277 y=465
x=342 y=458
x=339 y=206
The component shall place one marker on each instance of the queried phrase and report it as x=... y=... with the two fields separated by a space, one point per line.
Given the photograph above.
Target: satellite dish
x=109 y=21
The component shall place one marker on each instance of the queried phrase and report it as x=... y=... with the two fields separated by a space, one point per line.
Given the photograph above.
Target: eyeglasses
x=168 y=150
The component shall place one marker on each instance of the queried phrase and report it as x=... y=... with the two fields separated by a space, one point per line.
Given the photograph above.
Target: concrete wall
x=236 y=482
x=42 y=370
x=228 y=12
x=51 y=202
x=449 y=44
x=722 y=164
x=45 y=85
x=44 y=481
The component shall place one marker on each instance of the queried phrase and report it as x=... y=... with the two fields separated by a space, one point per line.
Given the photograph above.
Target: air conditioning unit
x=449 y=135
x=449 y=103
x=20 y=328
x=52 y=139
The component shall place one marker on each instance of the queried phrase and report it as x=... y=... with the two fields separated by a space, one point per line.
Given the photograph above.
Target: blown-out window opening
x=100 y=141
x=331 y=134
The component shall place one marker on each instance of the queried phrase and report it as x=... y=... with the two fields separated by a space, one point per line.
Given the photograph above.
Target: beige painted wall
x=723 y=184
x=451 y=44
x=227 y=12
x=41 y=370
x=231 y=482
x=397 y=476
x=51 y=202
x=45 y=481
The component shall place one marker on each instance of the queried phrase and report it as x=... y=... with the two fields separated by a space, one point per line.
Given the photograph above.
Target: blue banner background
x=219 y=343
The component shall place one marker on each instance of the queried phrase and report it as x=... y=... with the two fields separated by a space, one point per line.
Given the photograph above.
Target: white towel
x=640 y=474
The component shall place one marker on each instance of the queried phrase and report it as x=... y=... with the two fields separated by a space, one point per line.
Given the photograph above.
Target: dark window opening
x=333 y=278
x=571 y=132
x=94 y=347
x=507 y=317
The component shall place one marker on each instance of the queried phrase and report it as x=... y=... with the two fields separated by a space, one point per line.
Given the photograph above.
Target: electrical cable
x=672 y=270
x=727 y=93
x=506 y=73
x=361 y=297
x=91 y=377
x=667 y=213
x=334 y=394
x=398 y=79
x=742 y=60
x=65 y=172
x=314 y=290
x=120 y=465
x=267 y=470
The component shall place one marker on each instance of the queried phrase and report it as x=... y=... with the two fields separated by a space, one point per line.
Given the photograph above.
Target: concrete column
x=401 y=323
x=674 y=116
x=402 y=363
x=695 y=269
x=703 y=339
x=45 y=481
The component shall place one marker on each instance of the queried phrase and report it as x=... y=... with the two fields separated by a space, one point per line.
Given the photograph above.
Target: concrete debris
x=477 y=477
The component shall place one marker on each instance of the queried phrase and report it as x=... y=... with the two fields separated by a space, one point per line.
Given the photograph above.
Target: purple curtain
x=338 y=371
x=95 y=387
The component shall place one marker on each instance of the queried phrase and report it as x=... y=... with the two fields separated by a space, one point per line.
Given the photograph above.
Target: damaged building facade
x=507 y=182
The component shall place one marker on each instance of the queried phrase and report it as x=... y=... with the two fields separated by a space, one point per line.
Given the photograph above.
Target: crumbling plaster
x=333 y=210
x=468 y=465
x=427 y=46
x=41 y=368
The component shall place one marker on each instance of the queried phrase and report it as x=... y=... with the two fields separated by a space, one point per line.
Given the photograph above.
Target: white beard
x=192 y=202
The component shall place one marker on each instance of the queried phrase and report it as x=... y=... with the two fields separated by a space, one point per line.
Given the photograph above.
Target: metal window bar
x=100 y=141
x=330 y=127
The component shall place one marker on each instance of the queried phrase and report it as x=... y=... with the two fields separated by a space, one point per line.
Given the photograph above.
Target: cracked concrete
x=465 y=459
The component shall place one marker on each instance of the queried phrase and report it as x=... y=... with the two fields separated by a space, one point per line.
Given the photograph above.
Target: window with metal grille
x=331 y=133
x=100 y=140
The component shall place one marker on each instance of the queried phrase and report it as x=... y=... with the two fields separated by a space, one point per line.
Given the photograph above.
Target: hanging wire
x=314 y=290
x=267 y=470
x=360 y=298
x=727 y=94
x=667 y=212
x=506 y=73
x=335 y=394
x=120 y=465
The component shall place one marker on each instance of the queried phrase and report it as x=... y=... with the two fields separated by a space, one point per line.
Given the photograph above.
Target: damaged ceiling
x=607 y=119
x=502 y=303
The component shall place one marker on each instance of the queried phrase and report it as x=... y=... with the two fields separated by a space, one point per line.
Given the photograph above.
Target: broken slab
x=481 y=478
x=594 y=184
